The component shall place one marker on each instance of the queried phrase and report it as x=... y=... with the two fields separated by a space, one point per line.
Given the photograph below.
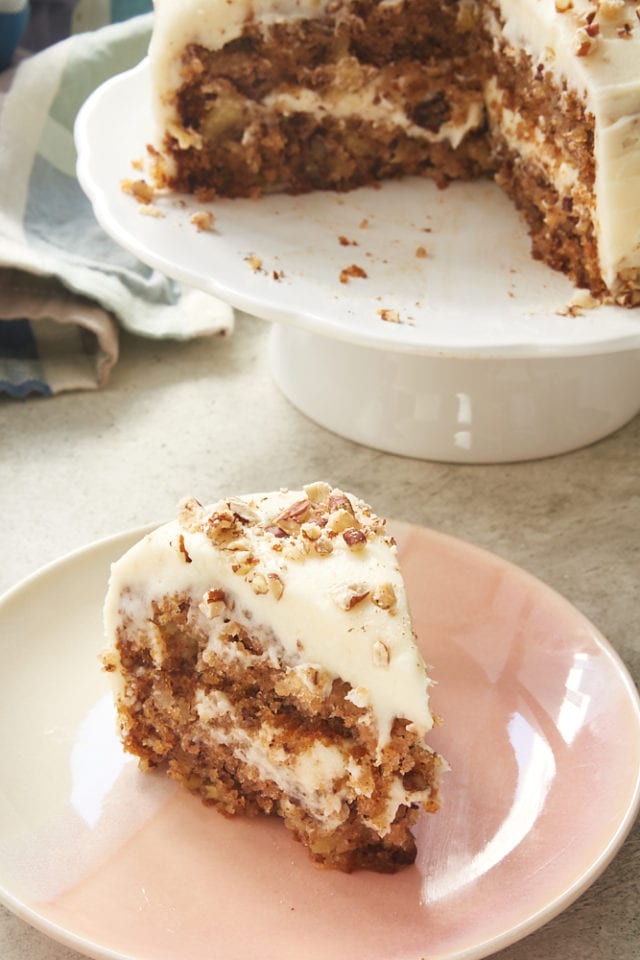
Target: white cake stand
x=406 y=318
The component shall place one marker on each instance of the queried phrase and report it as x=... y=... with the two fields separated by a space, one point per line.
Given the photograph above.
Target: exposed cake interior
x=297 y=95
x=263 y=653
x=358 y=93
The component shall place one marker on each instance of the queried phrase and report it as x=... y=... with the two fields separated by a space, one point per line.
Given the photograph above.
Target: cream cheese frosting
x=371 y=105
x=314 y=570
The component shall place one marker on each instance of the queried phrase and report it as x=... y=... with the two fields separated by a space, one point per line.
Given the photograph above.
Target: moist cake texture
x=263 y=653
x=297 y=95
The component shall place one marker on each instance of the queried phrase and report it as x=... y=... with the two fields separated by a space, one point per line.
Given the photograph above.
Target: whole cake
x=297 y=95
x=262 y=652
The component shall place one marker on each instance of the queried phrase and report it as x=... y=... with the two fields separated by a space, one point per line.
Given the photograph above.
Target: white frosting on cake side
x=323 y=584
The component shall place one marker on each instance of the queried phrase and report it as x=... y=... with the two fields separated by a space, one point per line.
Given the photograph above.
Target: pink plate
x=541 y=728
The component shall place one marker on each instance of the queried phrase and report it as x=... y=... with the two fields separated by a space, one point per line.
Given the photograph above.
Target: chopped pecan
x=297 y=511
x=183 y=550
x=293 y=516
x=384 y=596
x=380 y=654
x=276 y=531
x=276 y=585
x=242 y=510
x=244 y=563
x=318 y=492
x=340 y=501
x=350 y=595
x=323 y=546
x=220 y=524
x=312 y=531
x=297 y=549
x=340 y=520
x=354 y=539
x=190 y=514
x=240 y=543
x=259 y=584
x=213 y=603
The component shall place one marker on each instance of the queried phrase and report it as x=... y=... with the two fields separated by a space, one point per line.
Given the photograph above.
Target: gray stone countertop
x=204 y=417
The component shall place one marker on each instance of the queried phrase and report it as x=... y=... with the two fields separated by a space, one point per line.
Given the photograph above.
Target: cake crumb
x=388 y=315
x=140 y=190
x=203 y=220
x=150 y=210
x=380 y=653
x=580 y=301
x=255 y=262
x=421 y=253
x=353 y=271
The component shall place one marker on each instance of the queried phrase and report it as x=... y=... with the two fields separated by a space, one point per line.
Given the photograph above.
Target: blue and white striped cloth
x=65 y=287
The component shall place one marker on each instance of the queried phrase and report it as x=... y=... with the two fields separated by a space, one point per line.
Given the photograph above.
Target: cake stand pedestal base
x=454 y=408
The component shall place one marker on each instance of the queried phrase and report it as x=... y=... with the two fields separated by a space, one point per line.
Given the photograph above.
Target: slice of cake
x=275 y=95
x=263 y=653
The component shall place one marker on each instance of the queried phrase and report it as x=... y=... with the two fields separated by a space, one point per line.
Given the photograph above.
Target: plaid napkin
x=65 y=287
